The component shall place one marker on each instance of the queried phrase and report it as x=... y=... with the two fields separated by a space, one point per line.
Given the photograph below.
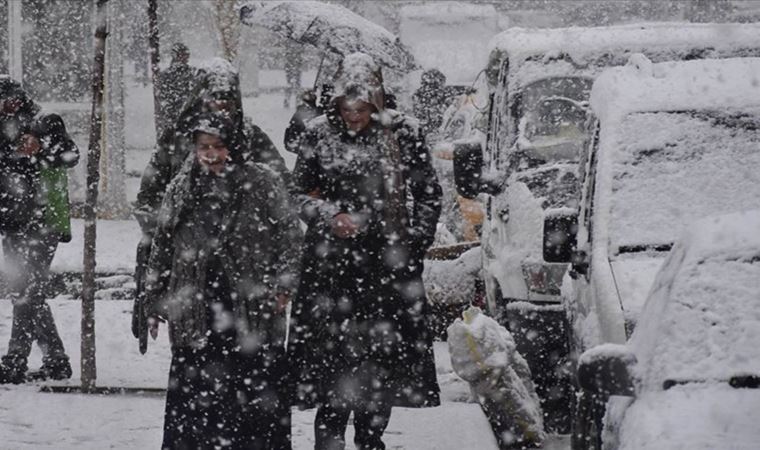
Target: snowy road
x=30 y=419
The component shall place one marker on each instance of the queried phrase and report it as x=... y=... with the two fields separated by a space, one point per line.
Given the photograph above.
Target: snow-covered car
x=673 y=142
x=689 y=376
x=540 y=82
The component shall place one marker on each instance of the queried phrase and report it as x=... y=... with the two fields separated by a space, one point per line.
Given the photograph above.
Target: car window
x=556 y=186
x=671 y=168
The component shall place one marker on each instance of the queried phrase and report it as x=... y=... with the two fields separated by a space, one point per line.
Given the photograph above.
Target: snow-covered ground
x=30 y=419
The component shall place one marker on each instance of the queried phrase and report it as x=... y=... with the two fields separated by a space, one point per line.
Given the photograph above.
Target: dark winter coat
x=176 y=142
x=430 y=101
x=361 y=311
x=175 y=85
x=258 y=253
x=24 y=196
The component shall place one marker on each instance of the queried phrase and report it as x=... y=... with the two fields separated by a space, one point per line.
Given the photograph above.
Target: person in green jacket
x=34 y=216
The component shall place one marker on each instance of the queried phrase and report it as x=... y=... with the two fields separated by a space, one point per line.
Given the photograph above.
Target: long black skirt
x=220 y=398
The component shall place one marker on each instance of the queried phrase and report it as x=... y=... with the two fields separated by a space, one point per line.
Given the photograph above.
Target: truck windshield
x=671 y=168
x=552 y=116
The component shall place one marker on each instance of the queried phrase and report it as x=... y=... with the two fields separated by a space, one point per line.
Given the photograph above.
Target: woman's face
x=211 y=152
x=356 y=114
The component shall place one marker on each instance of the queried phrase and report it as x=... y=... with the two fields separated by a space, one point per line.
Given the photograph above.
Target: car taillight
x=544 y=278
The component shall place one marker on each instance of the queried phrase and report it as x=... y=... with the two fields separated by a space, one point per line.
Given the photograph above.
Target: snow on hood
x=359 y=78
x=677 y=86
x=694 y=417
x=702 y=320
x=222 y=76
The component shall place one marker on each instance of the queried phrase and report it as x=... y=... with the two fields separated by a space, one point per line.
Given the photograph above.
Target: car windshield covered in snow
x=671 y=168
x=553 y=114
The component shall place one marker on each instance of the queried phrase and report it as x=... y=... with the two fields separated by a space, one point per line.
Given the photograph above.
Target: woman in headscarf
x=222 y=268
x=370 y=198
x=217 y=90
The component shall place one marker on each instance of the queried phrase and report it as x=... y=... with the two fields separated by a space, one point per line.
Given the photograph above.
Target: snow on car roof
x=581 y=42
x=677 y=86
x=454 y=11
x=702 y=319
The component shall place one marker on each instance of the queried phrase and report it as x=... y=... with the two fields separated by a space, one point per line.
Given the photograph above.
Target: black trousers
x=219 y=398
x=369 y=426
x=28 y=256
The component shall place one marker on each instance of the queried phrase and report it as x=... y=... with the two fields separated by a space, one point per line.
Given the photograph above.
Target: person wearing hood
x=217 y=89
x=34 y=217
x=174 y=85
x=430 y=101
x=222 y=269
x=369 y=195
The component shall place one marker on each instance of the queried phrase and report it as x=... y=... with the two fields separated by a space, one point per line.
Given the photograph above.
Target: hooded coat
x=259 y=254
x=218 y=79
x=25 y=198
x=361 y=312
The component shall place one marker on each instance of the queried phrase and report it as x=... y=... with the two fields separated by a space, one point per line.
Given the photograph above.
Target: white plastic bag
x=484 y=354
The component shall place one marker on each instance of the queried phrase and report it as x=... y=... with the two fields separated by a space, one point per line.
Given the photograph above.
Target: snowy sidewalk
x=33 y=420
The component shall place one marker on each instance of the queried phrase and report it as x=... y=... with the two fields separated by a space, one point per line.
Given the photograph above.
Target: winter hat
x=359 y=78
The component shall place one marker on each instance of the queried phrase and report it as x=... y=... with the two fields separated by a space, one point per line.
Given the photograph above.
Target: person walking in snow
x=34 y=217
x=430 y=101
x=369 y=195
x=174 y=86
x=217 y=89
x=222 y=268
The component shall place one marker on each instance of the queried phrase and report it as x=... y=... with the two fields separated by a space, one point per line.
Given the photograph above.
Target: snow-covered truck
x=672 y=143
x=540 y=81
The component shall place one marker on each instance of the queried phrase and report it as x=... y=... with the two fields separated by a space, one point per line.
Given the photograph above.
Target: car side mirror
x=560 y=229
x=578 y=264
x=468 y=171
x=606 y=370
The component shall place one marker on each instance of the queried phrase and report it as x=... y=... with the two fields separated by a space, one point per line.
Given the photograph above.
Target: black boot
x=11 y=375
x=58 y=370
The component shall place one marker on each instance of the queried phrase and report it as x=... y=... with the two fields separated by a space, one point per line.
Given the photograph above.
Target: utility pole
x=89 y=371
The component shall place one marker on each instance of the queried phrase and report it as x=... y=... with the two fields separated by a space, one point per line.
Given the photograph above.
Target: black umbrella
x=330 y=28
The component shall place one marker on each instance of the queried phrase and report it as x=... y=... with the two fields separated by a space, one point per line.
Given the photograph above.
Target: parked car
x=673 y=142
x=540 y=82
x=689 y=376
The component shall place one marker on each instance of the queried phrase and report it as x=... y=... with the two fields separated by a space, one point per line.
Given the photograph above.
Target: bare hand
x=29 y=145
x=344 y=227
x=281 y=303
x=153 y=322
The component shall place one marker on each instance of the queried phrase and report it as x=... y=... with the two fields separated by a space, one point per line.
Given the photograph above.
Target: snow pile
x=702 y=320
x=484 y=354
x=452 y=282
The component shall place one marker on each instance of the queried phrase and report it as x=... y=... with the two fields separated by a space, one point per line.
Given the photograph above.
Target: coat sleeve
x=286 y=238
x=59 y=150
x=153 y=185
x=159 y=268
x=423 y=185
x=307 y=186
x=264 y=152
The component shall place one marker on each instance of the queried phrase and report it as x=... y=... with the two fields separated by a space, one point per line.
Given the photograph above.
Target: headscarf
x=217 y=78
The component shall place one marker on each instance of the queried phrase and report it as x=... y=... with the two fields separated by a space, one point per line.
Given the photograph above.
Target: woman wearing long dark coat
x=370 y=198
x=223 y=264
